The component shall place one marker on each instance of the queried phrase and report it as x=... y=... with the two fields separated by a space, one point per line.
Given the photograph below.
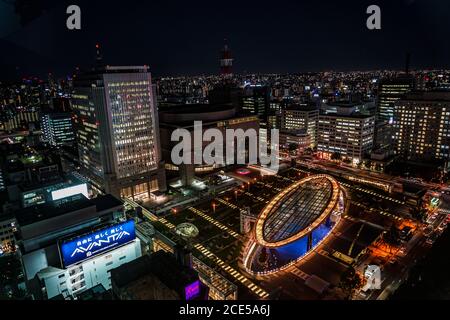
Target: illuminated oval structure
x=293 y=223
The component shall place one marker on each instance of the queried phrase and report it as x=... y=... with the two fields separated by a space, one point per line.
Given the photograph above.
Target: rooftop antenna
x=98 y=54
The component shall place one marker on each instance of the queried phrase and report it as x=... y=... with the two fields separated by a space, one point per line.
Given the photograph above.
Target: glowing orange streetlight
x=214 y=207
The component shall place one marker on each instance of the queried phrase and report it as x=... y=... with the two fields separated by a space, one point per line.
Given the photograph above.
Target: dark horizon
x=180 y=38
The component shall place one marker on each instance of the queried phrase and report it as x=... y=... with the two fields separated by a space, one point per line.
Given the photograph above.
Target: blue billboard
x=97 y=242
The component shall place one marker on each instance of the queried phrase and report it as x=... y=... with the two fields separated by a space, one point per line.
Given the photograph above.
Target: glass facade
x=117 y=131
x=87 y=134
x=298 y=220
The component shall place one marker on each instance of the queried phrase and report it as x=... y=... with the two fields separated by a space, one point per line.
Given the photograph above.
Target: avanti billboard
x=86 y=246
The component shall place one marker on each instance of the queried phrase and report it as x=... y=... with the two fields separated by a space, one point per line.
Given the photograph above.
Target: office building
x=255 y=100
x=117 y=131
x=7 y=228
x=300 y=117
x=389 y=92
x=422 y=126
x=57 y=129
x=298 y=138
x=23 y=120
x=348 y=135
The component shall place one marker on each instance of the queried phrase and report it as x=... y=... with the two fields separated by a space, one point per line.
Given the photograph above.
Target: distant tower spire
x=226 y=61
x=98 y=54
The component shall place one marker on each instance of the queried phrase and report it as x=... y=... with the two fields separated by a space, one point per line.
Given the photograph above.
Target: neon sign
x=81 y=248
x=192 y=290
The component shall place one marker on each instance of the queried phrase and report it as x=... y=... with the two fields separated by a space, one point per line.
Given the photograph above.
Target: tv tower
x=226 y=61
x=98 y=55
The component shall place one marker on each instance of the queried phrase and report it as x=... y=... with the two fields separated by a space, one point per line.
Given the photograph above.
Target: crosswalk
x=230 y=205
x=214 y=222
x=232 y=272
x=384 y=213
x=372 y=193
x=269 y=186
x=261 y=199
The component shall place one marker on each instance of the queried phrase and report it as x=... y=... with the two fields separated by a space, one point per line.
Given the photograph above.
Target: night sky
x=177 y=37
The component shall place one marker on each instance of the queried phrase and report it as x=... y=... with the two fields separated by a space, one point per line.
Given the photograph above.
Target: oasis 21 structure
x=293 y=223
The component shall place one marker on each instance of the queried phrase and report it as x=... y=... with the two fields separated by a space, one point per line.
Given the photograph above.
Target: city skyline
x=187 y=151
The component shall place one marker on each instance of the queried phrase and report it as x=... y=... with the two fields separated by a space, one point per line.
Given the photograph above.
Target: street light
x=214 y=207
x=235 y=195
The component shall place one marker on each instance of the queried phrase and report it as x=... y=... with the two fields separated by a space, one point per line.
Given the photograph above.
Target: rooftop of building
x=302 y=107
x=435 y=95
x=345 y=103
x=299 y=208
x=350 y=116
x=47 y=211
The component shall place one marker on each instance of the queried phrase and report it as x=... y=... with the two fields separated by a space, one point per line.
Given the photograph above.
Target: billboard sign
x=192 y=290
x=89 y=245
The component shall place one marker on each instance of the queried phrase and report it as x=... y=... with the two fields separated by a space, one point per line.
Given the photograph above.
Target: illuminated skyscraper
x=57 y=128
x=117 y=131
x=348 y=135
x=422 y=126
x=389 y=92
x=255 y=100
x=298 y=117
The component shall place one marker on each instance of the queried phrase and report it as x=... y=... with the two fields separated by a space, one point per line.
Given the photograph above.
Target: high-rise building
x=221 y=117
x=389 y=92
x=422 y=126
x=69 y=248
x=57 y=129
x=349 y=135
x=298 y=117
x=117 y=131
x=255 y=100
